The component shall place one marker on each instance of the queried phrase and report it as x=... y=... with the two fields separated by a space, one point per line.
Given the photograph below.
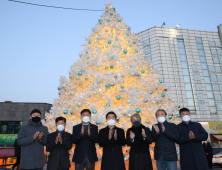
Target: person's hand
x=156 y=129
x=82 y=129
x=59 y=137
x=35 y=135
x=206 y=153
x=143 y=133
x=89 y=129
x=163 y=128
x=115 y=135
x=191 y=135
x=41 y=135
x=110 y=134
x=132 y=135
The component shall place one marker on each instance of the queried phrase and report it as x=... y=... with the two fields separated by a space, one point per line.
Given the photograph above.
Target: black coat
x=85 y=143
x=140 y=161
x=165 y=141
x=59 y=153
x=112 y=158
x=192 y=155
x=17 y=149
x=208 y=149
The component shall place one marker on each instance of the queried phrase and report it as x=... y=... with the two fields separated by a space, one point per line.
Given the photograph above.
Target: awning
x=6 y=152
x=219 y=137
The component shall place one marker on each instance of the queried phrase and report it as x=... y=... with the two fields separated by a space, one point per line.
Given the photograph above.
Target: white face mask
x=161 y=119
x=186 y=118
x=86 y=119
x=111 y=122
x=60 y=128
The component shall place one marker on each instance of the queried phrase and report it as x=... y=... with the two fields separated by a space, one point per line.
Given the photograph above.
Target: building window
x=213 y=77
x=218 y=44
x=199 y=40
x=185 y=72
x=216 y=60
x=206 y=79
x=201 y=52
x=219 y=78
x=204 y=66
x=195 y=67
x=186 y=79
x=182 y=51
x=210 y=95
x=208 y=87
x=198 y=87
x=190 y=102
x=189 y=94
x=184 y=64
x=213 y=110
x=149 y=59
x=211 y=102
x=183 y=58
x=180 y=44
x=217 y=69
x=196 y=77
x=200 y=46
x=219 y=106
x=217 y=96
x=147 y=51
x=146 y=43
x=202 y=107
x=203 y=59
x=188 y=86
x=215 y=87
x=211 y=68
x=205 y=73
x=219 y=52
x=212 y=44
x=200 y=97
x=220 y=87
x=213 y=51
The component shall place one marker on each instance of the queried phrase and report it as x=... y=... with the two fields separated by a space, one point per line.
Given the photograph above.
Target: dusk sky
x=39 y=44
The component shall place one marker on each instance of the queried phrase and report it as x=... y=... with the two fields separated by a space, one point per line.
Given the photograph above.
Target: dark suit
x=209 y=153
x=192 y=155
x=112 y=158
x=85 y=144
x=59 y=153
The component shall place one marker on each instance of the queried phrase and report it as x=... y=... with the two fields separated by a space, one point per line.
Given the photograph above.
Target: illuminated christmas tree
x=111 y=75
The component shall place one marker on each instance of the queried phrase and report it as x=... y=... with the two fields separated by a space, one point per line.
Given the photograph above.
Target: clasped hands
x=38 y=134
x=132 y=134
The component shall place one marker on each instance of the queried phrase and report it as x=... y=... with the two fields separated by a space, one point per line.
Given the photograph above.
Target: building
x=15 y=114
x=190 y=62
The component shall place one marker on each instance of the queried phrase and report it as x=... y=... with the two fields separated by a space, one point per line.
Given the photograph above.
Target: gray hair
x=135 y=115
x=161 y=110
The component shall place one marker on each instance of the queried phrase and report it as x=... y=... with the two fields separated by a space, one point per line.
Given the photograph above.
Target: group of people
x=188 y=134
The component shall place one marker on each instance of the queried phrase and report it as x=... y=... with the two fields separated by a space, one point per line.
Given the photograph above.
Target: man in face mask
x=58 y=144
x=32 y=138
x=192 y=155
x=165 y=134
x=85 y=135
x=112 y=138
x=138 y=138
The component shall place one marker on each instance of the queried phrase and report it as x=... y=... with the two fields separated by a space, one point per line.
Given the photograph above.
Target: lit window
x=213 y=51
x=202 y=107
x=200 y=96
x=217 y=96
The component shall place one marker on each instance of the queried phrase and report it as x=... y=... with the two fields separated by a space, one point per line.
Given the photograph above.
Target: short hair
x=35 y=111
x=161 y=110
x=60 y=118
x=184 y=109
x=135 y=115
x=85 y=110
x=109 y=113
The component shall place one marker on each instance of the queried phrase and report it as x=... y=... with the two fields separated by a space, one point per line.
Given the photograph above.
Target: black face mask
x=136 y=123
x=36 y=119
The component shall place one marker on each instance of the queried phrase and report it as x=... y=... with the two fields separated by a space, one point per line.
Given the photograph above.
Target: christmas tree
x=111 y=75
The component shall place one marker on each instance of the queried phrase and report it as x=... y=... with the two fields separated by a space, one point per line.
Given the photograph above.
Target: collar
x=85 y=124
x=183 y=123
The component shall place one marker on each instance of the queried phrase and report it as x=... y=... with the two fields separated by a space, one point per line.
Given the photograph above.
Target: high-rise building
x=190 y=62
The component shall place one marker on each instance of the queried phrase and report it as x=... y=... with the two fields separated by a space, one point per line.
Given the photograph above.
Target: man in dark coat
x=17 y=155
x=209 y=153
x=192 y=155
x=58 y=144
x=112 y=138
x=85 y=135
x=32 y=138
x=165 y=134
x=139 y=138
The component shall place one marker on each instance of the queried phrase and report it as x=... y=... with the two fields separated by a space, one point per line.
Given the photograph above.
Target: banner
x=215 y=127
x=7 y=138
